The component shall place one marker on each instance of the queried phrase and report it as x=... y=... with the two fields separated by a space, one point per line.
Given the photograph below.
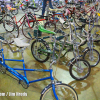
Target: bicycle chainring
x=24 y=84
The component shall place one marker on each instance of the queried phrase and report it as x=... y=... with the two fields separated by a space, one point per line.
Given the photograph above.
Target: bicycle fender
x=84 y=50
x=48 y=86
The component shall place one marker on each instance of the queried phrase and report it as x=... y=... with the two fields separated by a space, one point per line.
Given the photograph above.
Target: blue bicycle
x=54 y=91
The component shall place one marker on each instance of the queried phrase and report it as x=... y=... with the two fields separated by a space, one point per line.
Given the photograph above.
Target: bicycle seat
x=31 y=7
x=54 y=10
x=20 y=43
x=42 y=29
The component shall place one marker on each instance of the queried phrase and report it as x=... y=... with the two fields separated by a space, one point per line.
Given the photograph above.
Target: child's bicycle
x=41 y=49
x=54 y=91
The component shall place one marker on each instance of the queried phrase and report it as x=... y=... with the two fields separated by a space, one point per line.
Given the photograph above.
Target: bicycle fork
x=53 y=85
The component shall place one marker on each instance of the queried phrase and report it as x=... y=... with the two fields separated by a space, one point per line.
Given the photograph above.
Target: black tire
x=8 y=23
x=50 y=26
x=78 y=74
x=36 y=48
x=26 y=29
x=63 y=91
x=77 y=20
x=88 y=57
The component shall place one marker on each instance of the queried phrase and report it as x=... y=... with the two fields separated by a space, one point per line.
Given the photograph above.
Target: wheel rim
x=39 y=51
x=92 y=57
x=80 y=69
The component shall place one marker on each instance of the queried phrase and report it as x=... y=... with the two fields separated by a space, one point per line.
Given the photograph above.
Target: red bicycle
x=85 y=12
x=12 y=24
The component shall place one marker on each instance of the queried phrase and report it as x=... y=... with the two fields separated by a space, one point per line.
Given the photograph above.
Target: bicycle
x=96 y=31
x=55 y=90
x=37 y=3
x=90 y=54
x=19 y=4
x=83 y=13
x=41 y=52
x=12 y=24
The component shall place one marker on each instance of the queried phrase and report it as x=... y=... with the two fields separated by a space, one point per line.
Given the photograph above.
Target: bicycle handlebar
x=2 y=39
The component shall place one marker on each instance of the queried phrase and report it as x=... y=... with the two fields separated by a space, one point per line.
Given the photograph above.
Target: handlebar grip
x=29 y=34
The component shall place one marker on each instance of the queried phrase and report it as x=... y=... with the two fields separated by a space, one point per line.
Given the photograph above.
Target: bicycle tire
x=8 y=23
x=76 y=71
x=26 y=29
x=39 y=55
x=63 y=91
x=50 y=26
x=93 y=61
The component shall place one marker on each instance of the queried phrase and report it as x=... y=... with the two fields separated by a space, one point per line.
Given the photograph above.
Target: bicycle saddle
x=20 y=43
x=42 y=29
x=53 y=10
x=31 y=7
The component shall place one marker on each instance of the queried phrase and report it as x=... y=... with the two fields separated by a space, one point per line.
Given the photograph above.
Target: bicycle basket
x=37 y=33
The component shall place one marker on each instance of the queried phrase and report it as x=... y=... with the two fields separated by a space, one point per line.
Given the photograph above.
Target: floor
x=88 y=89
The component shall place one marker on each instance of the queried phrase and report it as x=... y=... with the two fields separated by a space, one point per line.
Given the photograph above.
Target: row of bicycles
x=65 y=32
x=22 y=4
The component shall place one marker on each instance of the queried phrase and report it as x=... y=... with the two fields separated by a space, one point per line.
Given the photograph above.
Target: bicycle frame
x=24 y=77
x=14 y=17
x=90 y=9
x=60 y=44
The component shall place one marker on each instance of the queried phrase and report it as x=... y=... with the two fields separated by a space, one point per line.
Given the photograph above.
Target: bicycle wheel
x=40 y=50
x=50 y=26
x=96 y=32
x=92 y=56
x=63 y=91
x=26 y=29
x=9 y=36
x=79 y=69
x=77 y=16
x=8 y=23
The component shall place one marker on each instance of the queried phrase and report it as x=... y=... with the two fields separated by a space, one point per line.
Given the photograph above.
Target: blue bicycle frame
x=21 y=77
